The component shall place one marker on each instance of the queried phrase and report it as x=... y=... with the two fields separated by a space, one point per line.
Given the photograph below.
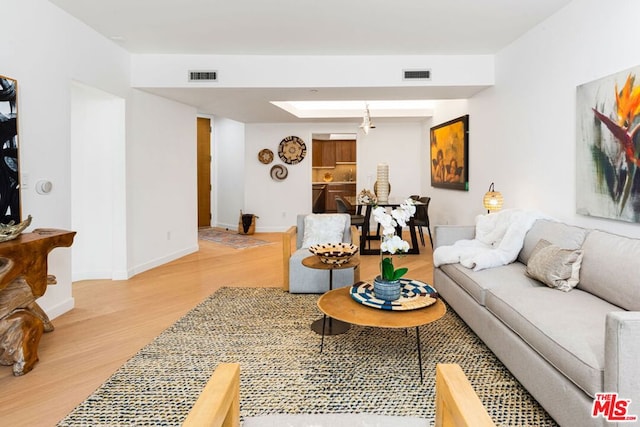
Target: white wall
x=525 y=126
x=228 y=179
x=98 y=202
x=161 y=181
x=46 y=50
x=448 y=71
x=278 y=202
x=453 y=206
x=399 y=146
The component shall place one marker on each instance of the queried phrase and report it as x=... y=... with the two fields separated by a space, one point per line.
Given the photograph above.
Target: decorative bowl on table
x=334 y=253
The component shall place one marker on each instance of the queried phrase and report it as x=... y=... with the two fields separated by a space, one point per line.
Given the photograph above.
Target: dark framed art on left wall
x=9 y=169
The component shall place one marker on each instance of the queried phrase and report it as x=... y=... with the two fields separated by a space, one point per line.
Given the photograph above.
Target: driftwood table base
x=24 y=279
x=20 y=334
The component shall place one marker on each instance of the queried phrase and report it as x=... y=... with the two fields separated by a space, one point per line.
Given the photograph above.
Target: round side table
x=327 y=325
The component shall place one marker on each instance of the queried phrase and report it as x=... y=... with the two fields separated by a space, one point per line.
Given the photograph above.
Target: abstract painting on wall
x=9 y=183
x=608 y=147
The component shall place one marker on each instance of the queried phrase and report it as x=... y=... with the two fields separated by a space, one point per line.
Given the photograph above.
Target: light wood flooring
x=112 y=320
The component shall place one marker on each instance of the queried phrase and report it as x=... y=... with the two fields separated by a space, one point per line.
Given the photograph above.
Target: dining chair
x=344 y=206
x=421 y=218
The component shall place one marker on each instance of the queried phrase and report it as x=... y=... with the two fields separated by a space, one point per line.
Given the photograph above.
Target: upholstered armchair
x=313 y=229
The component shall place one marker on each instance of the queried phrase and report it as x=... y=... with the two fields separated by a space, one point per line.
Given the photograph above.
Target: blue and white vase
x=388 y=290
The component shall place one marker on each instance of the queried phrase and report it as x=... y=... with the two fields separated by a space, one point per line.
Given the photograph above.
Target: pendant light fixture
x=367 y=124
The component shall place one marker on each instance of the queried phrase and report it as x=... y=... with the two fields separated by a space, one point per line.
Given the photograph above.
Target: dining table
x=368 y=234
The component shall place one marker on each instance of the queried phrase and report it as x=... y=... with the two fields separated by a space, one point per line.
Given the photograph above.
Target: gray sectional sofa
x=564 y=347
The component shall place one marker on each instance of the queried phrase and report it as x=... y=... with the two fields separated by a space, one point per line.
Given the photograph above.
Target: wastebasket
x=247 y=223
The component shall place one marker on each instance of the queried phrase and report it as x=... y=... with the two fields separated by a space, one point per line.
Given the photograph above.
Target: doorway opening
x=204 y=171
x=334 y=166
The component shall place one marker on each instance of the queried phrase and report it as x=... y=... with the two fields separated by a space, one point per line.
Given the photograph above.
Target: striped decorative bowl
x=334 y=253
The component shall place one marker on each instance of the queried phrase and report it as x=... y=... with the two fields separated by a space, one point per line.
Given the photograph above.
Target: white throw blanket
x=499 y=239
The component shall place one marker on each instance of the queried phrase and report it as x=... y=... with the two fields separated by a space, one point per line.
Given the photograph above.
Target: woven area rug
x=230 y=238
x=365 y=370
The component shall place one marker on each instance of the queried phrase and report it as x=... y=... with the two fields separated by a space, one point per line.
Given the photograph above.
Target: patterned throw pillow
x=323 y=228
x=555 y=267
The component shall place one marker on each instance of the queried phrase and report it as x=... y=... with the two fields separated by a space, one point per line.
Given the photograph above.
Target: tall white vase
x=382 y=183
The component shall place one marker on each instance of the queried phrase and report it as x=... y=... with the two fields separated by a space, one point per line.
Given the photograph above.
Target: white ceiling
x=307 y=27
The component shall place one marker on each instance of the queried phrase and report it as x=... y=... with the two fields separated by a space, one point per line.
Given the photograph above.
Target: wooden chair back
x=219 y=402
x=457 y=404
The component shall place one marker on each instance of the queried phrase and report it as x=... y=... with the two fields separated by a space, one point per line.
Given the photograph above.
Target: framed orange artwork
x=450 y=154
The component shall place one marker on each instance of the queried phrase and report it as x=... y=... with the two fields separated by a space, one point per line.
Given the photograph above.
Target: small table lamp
x=492 y=200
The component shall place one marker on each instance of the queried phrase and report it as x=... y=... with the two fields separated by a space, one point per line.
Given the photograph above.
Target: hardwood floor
x=112 y=320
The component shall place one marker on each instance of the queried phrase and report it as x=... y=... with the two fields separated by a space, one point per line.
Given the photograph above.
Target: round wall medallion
x=279 y=173
x=265 y=156
x=292 y=150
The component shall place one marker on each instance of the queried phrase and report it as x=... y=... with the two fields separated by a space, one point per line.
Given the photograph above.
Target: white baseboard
x=121 y=275
x=60 y=308
x=229 y=227
x=272 y=229
x=129 y=273
x=90 y=275
x=234 y=227
x=159 y=261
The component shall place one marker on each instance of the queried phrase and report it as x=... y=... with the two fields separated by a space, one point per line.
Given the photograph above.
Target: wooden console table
x=24 y=279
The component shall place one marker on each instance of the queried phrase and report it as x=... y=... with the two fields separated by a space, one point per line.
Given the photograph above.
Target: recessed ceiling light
x=335 y=109
x=342 y=136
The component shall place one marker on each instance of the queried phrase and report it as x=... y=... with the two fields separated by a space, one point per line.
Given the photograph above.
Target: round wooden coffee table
x=338 y=304
x=332 y=327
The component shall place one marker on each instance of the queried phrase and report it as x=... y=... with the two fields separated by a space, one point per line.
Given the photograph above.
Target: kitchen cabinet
x=323 y=153
x=316 y=153
x=346 y=151
x=327 y=153
x=338 y=189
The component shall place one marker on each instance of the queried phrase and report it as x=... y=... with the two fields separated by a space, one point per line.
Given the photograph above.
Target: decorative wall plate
x=292 y=150
x=265 y=156
x=279 y=173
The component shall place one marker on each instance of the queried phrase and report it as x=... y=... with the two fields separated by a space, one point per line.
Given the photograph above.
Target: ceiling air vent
x=416 y=75
x=203 y=76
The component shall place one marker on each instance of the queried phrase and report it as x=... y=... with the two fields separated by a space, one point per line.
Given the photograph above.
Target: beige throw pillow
x=555 y=267
x=323 y=228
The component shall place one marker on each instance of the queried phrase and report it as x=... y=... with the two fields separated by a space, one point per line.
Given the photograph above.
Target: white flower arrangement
x=399 y=216
x=392 y=243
